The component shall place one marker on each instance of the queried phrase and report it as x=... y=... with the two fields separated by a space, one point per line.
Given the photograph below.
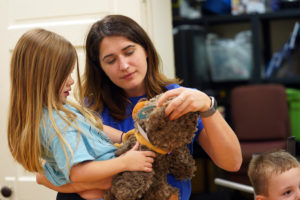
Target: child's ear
x=260 y=197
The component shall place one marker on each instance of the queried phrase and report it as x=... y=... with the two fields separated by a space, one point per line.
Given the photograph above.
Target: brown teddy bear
x=169 y=139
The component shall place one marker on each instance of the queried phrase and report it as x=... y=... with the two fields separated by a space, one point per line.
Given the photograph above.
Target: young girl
x=42 y=125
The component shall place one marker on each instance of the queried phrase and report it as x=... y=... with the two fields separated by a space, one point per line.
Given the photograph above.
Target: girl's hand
x=138 y=160
x=186 y=100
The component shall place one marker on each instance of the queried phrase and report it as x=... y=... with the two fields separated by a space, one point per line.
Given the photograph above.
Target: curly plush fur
x=170 y=135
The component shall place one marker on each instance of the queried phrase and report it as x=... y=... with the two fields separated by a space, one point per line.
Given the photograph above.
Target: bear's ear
x=138 y=107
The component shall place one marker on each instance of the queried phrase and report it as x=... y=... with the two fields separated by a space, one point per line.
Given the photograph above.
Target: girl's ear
x=260 y=197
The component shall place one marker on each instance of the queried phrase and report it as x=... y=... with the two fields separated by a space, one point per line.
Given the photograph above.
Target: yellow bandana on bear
x=141 y=139
x=145 y=142
x=140 y=135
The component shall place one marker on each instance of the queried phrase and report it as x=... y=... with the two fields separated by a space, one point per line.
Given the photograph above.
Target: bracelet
x=211 y=110
x=122 y=137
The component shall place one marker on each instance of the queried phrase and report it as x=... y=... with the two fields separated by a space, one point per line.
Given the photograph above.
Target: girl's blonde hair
x=41 y=62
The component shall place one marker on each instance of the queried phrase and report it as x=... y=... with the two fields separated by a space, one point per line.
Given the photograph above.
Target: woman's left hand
x=185 y=100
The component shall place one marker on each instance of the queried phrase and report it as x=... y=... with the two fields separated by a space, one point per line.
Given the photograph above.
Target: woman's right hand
x=138 y=160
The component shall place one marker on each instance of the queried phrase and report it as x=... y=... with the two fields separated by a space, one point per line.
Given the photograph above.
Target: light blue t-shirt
x=90 y=144
x=127 y=124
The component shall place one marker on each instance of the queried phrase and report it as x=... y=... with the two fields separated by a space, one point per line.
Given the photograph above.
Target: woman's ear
x=260 y=197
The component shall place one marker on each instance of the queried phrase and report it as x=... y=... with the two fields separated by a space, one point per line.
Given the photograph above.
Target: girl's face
x=125 y=63
x=65 y=89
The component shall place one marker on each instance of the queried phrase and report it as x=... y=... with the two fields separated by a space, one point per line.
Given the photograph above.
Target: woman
x=122 y=66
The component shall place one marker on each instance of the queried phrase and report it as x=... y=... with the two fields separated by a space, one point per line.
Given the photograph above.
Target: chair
x=260 y=120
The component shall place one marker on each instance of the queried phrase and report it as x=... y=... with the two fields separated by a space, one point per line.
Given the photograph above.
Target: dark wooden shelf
x=220 y=19
x=284 y=14
x=295 y=80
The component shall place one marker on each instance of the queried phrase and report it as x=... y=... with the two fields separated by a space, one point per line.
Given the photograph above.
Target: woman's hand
x=216 y=138
x=41 y=179
x=186 y=100
x=138 y=160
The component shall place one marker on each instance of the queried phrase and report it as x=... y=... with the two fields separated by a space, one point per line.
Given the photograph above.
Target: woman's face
x=125 y=63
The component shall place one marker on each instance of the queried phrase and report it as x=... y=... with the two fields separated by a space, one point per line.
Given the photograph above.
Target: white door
x=72 y=19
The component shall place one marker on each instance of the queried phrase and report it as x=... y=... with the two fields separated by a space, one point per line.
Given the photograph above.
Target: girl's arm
x=132 y=160
x=217 y=138
x=101 y=185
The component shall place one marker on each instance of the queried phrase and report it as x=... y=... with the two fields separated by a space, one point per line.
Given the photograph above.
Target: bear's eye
x=145 y=111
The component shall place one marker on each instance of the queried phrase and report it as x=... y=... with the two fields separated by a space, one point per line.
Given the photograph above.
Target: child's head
x=41 y=62
x=275 y=175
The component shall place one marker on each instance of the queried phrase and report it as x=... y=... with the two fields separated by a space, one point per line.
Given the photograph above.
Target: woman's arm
x=113 y=134
x=103 y=184
x=220 y=143
x=217 y=138
x=92 y=194
x=132 y=160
